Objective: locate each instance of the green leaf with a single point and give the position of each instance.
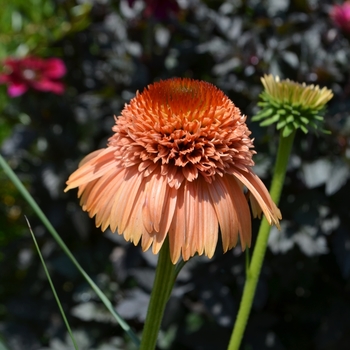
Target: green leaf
(304, 120)
(281, 124)
(296, 112)
(289, 119)
(282, 111)
(275, 104)
(270, 121)
(287, 130)
(318, 117)
(304, 129)
(263, 114)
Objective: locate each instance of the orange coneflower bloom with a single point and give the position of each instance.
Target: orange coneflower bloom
(179, 164)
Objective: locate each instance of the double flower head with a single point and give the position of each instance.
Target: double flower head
(179, 164)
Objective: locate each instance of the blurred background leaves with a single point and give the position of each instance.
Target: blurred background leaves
(112, 49)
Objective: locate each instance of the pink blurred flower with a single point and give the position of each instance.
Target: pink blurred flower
(341, 16)
(33, 72)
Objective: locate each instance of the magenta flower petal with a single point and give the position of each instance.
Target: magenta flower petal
(48, 85)
(17, 89)
(55, 68)
(33, 72)
(340, 15)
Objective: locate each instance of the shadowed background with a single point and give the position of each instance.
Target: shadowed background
(111, 49)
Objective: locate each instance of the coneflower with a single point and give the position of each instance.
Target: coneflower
(178, 165)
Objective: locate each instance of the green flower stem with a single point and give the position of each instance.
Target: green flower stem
(163, 284)
(284, 150)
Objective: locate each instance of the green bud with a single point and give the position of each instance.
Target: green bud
(292, 105)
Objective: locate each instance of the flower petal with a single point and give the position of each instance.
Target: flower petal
(17, 89)
(103, 208)
(225, 211)
(208, 228)
(154, 202)
(47, 85)
(242, 209)
(124, 202)
(177, 229)
(92, 167)
(191, 216)
(55, 68)
(259, 191)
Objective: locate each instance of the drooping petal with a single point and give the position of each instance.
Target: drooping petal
(191, 209)
(158, 209)
(105, 206)
(225, 212)
(154, 202)
(92, 167)
(177, 229)
(242, 209)
(209, 227)
(92, 200)
(259, 191)
(135, 228)
(124, 199)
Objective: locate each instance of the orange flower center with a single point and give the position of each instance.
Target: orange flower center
(187, 127)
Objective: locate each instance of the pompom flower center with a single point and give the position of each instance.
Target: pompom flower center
(187, 127)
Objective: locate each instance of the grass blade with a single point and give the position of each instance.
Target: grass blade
(30, 200)
(52, 286)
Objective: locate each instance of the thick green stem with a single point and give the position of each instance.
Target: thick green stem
(163, 284)
(284, 150)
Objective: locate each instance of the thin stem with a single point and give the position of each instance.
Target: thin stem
(30, 200)
(163, 284)
(284, 150)
(53, 289)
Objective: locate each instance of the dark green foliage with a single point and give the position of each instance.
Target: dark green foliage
(302, 300)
